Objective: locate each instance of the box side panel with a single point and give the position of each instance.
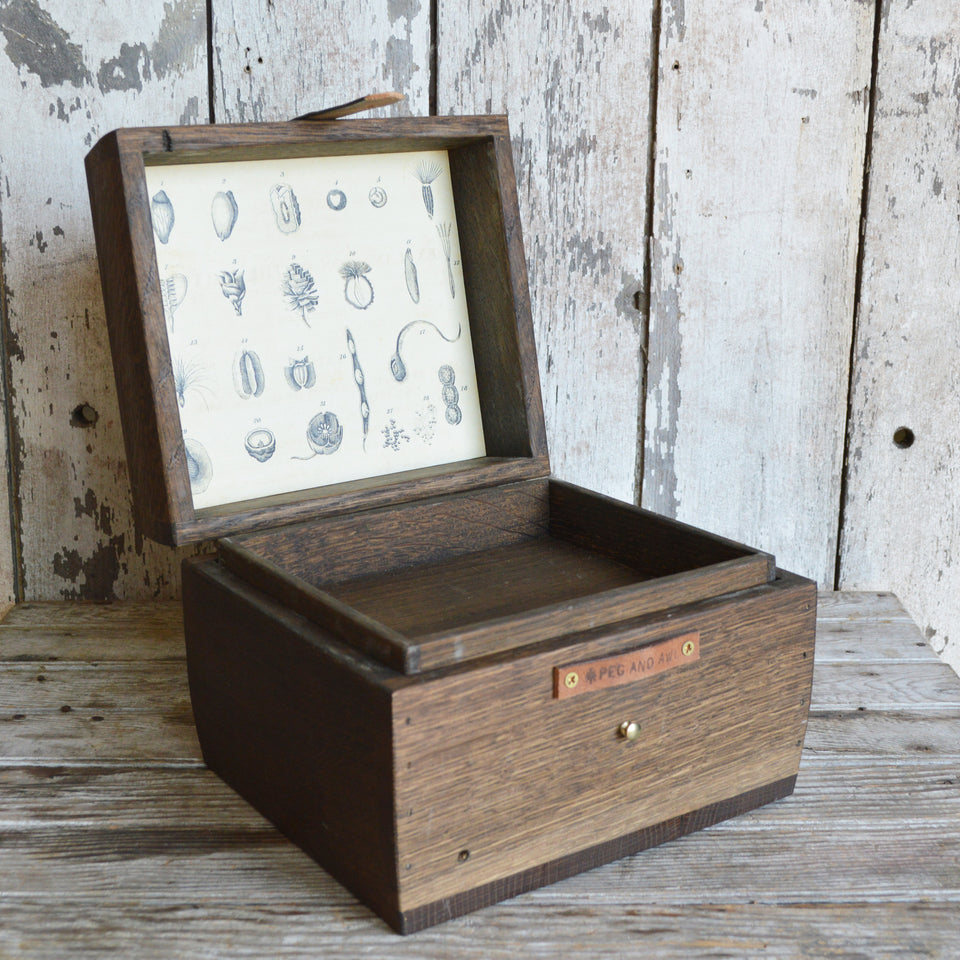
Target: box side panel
(555, 870)
(496, 777)
(495, 277)
(659, 546)
(387, 539)
(215, 143)
(295, 724)
(125, 256)
(542, 624)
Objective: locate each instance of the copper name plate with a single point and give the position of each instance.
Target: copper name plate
(576, 678)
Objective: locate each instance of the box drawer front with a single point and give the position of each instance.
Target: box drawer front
(502, 768)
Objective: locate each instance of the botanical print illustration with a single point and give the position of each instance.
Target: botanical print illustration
(316, 319)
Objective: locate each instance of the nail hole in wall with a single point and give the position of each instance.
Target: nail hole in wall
(903, 437)
(83, 416)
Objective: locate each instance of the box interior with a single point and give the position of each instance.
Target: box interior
(471, 574)
(457, 592)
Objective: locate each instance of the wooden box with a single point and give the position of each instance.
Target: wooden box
(444, 674)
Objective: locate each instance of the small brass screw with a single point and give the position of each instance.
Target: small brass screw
(629, 730)
(687, 648)
(571, 680)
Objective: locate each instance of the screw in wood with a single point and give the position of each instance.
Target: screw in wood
(629, 730)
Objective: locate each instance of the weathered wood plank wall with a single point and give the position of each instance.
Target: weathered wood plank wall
(900, 521)
(66, 78)
(278, 61)
(761, 120)
(576, 83)
(691, 179)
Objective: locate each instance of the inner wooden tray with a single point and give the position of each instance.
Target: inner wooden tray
(437, 582)
(456, 594)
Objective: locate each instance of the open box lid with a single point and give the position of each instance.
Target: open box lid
(314, 317)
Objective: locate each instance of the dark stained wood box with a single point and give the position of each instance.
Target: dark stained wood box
(453, 681)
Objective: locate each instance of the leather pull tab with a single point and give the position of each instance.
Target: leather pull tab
(369, 102)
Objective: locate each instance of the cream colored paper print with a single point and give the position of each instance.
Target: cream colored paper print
(316, 319)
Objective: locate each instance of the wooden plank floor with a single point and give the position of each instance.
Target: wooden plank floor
(116, 842)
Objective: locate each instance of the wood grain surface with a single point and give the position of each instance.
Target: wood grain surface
(388, 539)
(288, 722)
(901, 504)
(121, 843)
(444, 580)
(514, 788)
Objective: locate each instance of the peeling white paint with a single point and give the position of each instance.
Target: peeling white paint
(276, 62)
(576, 88)
(74, 500)
(901, 517)
(760, 191)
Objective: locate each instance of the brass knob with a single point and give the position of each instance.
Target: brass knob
(629, 730)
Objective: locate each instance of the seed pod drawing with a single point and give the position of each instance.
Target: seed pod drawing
(189, 377)
(173, 291)
(324, 435)
(248, 379)
(357, 289)
(410, 274)
(161, 213)
(233, 288)
(394, 435)
(450, 394)
(224, 212)
(199, 465)
(397, 366)
(443, 230)
(361, 387)
(427, 171)
(286, 210)
(299, 289)
(300, 374)
(336, 199)
(261, 444)
(377, 197)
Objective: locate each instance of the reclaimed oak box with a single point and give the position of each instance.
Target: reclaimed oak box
(446, 675)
